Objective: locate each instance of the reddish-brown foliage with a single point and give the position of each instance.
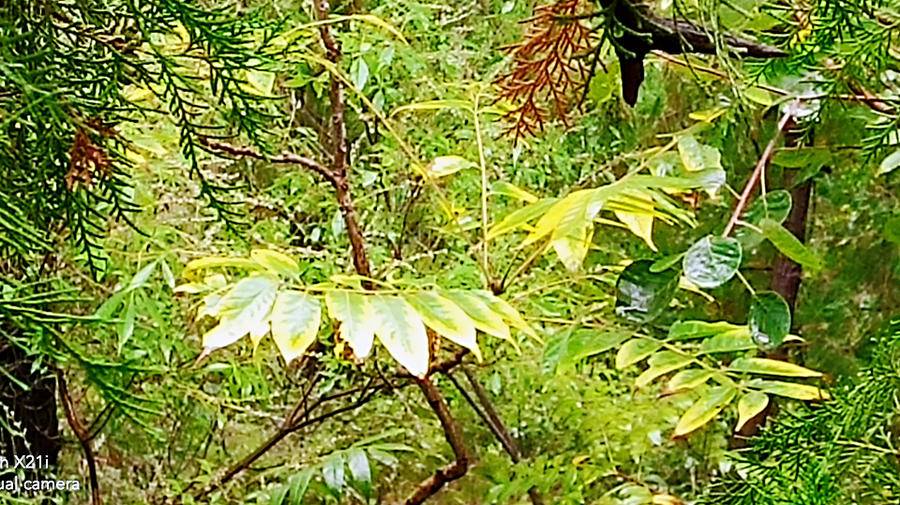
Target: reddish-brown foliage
(549, 68)
(86, 158)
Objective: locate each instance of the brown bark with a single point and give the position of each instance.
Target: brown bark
(454, 436)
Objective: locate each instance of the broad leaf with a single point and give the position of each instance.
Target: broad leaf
(712, 261)
(789, 245)
(769, 319)
(244, 307)
(446, 318)
(642, 296)
(684, 330)
(481, 314)
(689, 379)
(521, 217)
(295, 318)
(662, 363)
(443, 166)
(765, 366)
(790, 390)
(506, 311)
(333, 473)
(357, 320)
(705, 409)
(402, 332)
(275, 262)
(774, 205)
(749, 406)
(696, 156)
(635, 350)
(509, 189)
(729, 341)
(889, 163)
(570, 347)
(360, 470)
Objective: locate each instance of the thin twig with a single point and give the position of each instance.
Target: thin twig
(82, 434)
(761, 165)
(287, 158)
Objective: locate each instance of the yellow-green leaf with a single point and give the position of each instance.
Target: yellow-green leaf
(296, 317)
(275, 262)
(357, 321)
(402, 332)
(705, 409)
(791, 390)
(506, 311)
(689, 379)
(662, 363)
(443, 166)
(482, 316)
(768, 366)
(446, 318)
(242, 309)
(639, 224)
(510, 189)
(635, 350)
(749, 406)
(519, 218)
(219, 262)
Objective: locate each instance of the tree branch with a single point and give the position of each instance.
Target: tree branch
(81, 433)
(453, 434)
(287, 158)
(761, 165)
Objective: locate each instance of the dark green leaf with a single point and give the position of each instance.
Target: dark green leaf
(712, 261)
(769, 319)
(642, 295)
(789, 245)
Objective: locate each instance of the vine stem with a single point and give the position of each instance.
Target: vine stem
(761, 165)
(81, 433)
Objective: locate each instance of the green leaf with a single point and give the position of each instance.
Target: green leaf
(689, 379)
(765, 366)
(790, 390)
(244, 307)
(712, 261)
(769, 319)
(126, 330)
(141, 277)
(569, 348)
(774, 205)
(357, 321)
(295, 320)
(219, 262)
(360, 470)
(789, 245)
(705, 409)
(729, 341)
(662, 363)
(443, 166)
(299, 484)
(402, 332)
(509, 189)
(506, 311)
(889, 163)
(359, 73)
(696, 156)
(642, 296)
(446, 318)
(333, 473)
(481, 314)
(749, 406)
(685, 330)
(275, 262)
(666, 263)
(521, 217)
(635, 350)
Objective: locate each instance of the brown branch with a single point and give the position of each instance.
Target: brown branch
(761, 165)
(454, 436)
(287, 158)
(294, 425)
(82, 434)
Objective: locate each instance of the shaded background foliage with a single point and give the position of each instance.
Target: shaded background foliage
(108, 191)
